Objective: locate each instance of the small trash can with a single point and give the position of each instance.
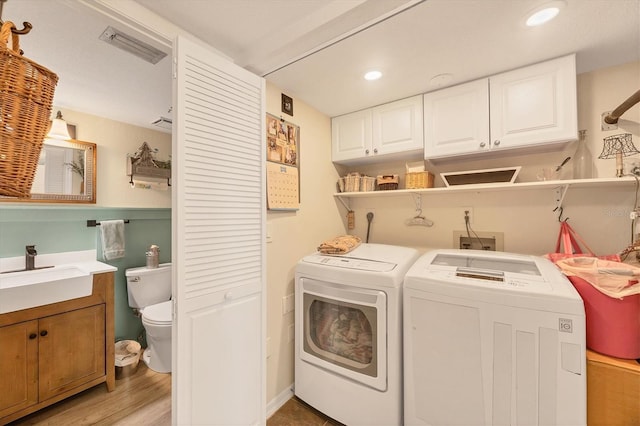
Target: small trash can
(127, 357)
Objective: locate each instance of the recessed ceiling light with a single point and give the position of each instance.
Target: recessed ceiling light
(544, 13)
(372, 75)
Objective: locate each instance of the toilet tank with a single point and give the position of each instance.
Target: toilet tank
(148, 286)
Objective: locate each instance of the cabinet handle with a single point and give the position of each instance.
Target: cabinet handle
(43, 333)
(366, 152)
(375, 150)
(32, 336)
(482, 144)
(496, 142)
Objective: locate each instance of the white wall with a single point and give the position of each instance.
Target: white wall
(604, 90)
(296, 234)
(525, 217)
(114, 141)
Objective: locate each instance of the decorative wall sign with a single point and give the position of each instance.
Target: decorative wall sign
(283, 169)
(287, 105)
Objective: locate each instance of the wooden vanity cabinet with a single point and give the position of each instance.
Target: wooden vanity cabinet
(51, 352)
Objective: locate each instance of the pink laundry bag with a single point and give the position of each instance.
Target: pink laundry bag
(609, 290)
(611, 295)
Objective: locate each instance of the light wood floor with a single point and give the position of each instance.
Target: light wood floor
(145, 399)
(141, 399)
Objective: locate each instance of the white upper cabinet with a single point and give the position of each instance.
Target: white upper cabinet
(457, 119)
(351, 136)
(388, 131)
(535, 105)
(527, 107)
(397, 127)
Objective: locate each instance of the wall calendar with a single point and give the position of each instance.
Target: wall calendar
(283, 168)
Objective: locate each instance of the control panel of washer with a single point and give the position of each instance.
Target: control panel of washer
(351, 263)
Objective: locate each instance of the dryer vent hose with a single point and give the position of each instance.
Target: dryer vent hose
(369, 219)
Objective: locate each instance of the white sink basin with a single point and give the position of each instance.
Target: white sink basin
(28, 289)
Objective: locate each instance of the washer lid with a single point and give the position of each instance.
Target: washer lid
(159, 313)
(350, 263)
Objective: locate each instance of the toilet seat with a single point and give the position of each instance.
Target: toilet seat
(158, 314)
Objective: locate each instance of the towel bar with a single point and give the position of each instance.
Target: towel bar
(94, 223)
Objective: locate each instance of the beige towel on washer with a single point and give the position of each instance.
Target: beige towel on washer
(339, 245)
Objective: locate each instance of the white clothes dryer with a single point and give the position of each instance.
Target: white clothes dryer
(492, 338)
(348, 346)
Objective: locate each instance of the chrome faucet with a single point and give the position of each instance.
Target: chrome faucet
(30, 258)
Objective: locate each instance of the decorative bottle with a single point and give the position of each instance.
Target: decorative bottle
(582, 159)
(152, 256)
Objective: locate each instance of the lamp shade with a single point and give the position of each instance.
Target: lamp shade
(618, 146)
(59, 129)
(615, 144)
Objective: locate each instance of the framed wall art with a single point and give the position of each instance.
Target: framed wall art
(287, 104)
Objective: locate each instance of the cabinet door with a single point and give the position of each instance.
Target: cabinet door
(351, 136)
(534, 105)
(397, 127)
(72, 349)
(456, 120)
(18, 367)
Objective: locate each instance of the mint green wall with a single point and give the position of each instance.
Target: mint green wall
(55, 229)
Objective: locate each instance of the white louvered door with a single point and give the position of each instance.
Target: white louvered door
(218, 222)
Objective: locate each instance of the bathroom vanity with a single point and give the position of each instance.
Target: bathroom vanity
(51, 352)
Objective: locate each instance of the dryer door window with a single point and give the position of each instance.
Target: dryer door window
(343, 334)
(344, 331)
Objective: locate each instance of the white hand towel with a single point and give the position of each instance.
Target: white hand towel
(112, 235)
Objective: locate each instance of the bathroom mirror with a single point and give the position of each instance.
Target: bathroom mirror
(66, 173)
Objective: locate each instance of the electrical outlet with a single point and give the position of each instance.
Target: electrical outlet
(269, 234)
(288, 304)
(292, 332)
(466, 211)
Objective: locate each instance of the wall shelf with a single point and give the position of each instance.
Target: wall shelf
(551, 184)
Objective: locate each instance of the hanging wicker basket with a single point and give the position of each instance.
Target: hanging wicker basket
(26, 95)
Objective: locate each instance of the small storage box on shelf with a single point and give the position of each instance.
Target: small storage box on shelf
(417, 180)
(387, 182)
(367, 184)
(352, 182)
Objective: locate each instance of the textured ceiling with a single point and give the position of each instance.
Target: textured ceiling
(317, 50)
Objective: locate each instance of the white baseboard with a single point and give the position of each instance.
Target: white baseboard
(277, 402)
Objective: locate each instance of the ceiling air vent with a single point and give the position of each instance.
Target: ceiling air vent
(162, 122)
(132, 45)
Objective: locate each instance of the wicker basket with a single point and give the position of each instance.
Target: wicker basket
(26, 94)
(352, 182)
(387, 182)
(367, 183)
(416, 180)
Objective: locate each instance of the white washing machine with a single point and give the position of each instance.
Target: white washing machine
(348, 345)
(492, 338)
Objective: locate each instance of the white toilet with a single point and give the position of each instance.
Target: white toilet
(149, 291)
